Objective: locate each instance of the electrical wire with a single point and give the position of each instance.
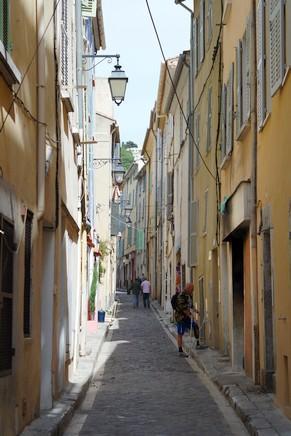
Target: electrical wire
(175, 92)
(29, 66)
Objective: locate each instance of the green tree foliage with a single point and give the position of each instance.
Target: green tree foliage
(129, 144)
(93, 289)
(126, 157)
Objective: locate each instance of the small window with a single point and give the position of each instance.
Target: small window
(27, 276)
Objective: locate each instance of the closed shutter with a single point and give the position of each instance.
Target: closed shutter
(195, 46)
(194, 233)
(229, 113)
(222, 122)
(238, 53)
(202, 31)
(209, 21)
(65, 44)
(197, 140)
(170, 199)
(4, 22)
(261, 96)
(246, 74)
(6, 295)
(89, 8)
(27, 276)
(276, 44)
(288, 32)
(205, 211)
(209, 120)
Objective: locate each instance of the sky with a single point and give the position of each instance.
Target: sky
(130, 33)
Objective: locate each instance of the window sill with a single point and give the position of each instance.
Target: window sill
(67, 100)
(8, 69)
(264, 122)
(225, 160)
(243, 130)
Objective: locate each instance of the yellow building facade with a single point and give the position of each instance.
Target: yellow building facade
(273, 197)
(204, 227)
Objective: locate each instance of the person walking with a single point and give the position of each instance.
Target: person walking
(136, 290)
(146, 290)
(184, 314)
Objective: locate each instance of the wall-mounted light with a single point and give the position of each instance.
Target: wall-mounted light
(117, 81)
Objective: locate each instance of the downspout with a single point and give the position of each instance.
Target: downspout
(41, 127)
(253, 223)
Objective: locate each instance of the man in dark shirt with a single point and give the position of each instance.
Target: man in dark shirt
(183, 315)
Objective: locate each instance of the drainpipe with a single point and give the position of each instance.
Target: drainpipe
(41, 127)
(253, 223)
(190, 122)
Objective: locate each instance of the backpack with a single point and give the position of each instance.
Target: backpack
(174, 301)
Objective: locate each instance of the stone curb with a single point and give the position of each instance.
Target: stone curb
(54, 421)
(258, 422)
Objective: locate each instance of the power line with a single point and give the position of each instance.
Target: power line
(15, 96)
(175, 91)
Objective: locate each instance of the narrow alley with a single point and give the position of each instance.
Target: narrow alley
(142, 387)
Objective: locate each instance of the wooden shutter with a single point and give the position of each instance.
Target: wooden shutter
(89, 8)
(4, 22)
(194, 216)
(205, 211)
(238, 55)
(6, 295)
(170, 199)
(197, 140)
(65, 44)
(195, 46)
(202, 31)
(229, 113)
(209, 21)
(246, 74)
(27, 275)
(209, 120)
(261, 96)
(276, 44)
(222, 122)
(288, 32)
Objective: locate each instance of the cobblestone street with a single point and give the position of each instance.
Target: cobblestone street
(143, 387)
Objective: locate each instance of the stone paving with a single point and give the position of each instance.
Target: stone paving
(142, 387)
(253, 405)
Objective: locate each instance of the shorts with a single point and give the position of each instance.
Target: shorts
(185, 325)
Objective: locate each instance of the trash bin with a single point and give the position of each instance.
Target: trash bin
(101, 315)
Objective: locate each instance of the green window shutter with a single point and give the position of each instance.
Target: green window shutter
(4, 22)
(89, 8)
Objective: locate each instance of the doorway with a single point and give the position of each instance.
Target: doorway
(238, 302)
(268, 312)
